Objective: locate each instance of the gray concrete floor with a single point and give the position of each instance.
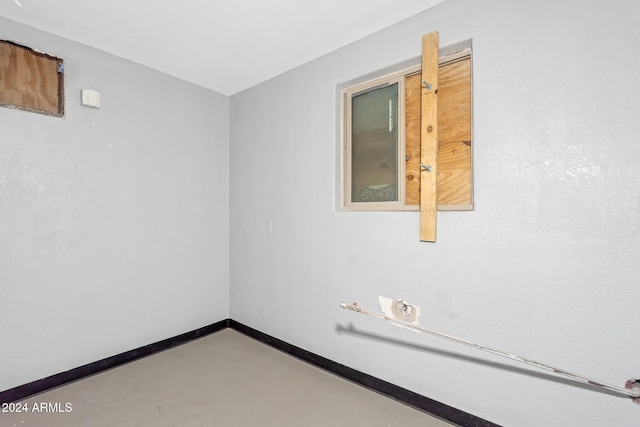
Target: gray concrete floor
(224, 379)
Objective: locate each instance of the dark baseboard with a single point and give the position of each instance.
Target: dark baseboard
(57, 380)
(393, 391)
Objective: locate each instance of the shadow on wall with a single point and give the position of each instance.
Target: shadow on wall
(350, 329)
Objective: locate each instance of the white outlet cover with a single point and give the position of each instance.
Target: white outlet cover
(90, 98)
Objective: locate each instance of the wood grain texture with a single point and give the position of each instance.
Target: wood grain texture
(454, 101)
(455, 183)
(429, 138)
(29, 80)
(455, 177)
(413, 114)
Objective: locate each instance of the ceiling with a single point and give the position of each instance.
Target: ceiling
(223, 45)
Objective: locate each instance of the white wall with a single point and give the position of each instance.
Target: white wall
(547, 264)
(114, 229)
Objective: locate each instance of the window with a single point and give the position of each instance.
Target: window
(382, 137)
(374, 128)
(30, 80)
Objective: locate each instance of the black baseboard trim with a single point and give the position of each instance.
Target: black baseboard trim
(385, 388)
(433, 407)
(57, 380)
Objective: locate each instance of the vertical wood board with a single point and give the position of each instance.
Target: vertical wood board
(429, 138)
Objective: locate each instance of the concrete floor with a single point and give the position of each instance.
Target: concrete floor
(224, 379)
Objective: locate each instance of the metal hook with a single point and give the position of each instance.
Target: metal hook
(425, 167)
(426, 85)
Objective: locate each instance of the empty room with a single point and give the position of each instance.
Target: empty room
(319, 213)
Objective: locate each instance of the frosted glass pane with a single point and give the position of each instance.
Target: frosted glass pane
(374, 145)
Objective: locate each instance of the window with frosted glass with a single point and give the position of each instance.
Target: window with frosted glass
(374, 145)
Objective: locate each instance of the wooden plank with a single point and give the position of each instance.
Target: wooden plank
(29, 80)
(429, 137)
(454, 176)
(455, 183)
(454, 101)
(413, 113)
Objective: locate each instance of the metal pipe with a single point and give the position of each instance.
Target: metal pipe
(634, 393)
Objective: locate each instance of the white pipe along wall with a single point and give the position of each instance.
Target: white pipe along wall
(545, 266)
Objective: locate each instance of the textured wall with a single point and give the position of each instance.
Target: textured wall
(113, 222)
(547, 264)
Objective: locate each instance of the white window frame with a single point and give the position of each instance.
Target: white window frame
(347, 94)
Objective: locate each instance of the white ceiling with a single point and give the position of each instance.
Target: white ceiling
(224, 45)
